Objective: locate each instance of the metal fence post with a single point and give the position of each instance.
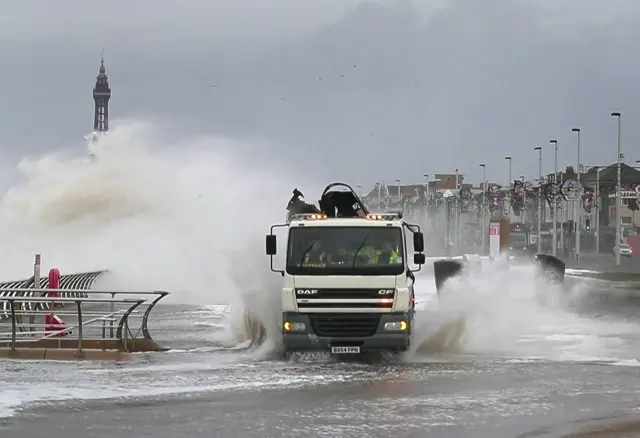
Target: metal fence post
(13, 325)
(112, 308)
(79, 353)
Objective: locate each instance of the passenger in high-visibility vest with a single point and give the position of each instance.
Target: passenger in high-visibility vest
(387, 255)
(349, 251)
(370, 252)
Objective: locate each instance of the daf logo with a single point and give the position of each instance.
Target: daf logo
(307, 291)
(385, 292)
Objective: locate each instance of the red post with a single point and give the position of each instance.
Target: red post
(54, 283)
(53, 323)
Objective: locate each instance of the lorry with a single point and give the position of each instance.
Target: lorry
(520, 239)
(347, 281)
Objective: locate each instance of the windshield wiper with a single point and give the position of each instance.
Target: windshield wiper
(353, 264)
(304, 254)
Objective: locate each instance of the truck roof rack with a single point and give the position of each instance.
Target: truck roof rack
(338, 200)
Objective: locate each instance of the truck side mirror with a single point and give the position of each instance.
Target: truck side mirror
(271, 245)
(418, 242)
(419, 258)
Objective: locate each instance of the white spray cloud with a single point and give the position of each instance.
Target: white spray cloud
(177, 217)
(510, 311)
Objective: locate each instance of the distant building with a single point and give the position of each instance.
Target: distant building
(446, 181)
(101, 96)
(441, 183)
(607, 180)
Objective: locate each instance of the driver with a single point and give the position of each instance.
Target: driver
(316, 254)
(363, 252)
(387, 255)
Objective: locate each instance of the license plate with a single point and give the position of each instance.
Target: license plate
(345, 350)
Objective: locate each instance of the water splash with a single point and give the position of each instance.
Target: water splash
(184, 216)
(509, 311)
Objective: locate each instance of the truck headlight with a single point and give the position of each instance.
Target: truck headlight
(294, 326)
(397, 326)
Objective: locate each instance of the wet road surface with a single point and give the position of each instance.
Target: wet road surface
(560, 371)
(448, 399)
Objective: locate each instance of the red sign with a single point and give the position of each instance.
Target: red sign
(634, 243)
(494, 229)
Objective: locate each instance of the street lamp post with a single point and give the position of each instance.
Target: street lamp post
(426, 181)
(425, 209)
(510, 182)
(510, 177)
(483, 230)
(578, 209)
(458, 211)
(618, 115)
(447, 217)
(563, 211)
(555, 199)
(539, 149)
(598, 210)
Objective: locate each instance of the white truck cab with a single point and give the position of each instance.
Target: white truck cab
(347, 284)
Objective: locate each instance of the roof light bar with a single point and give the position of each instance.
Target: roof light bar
(309, 216)
(383, 216)
(371, 216)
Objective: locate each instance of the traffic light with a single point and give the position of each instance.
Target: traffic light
(588, 224)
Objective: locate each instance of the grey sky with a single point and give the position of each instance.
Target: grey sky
(437, 85)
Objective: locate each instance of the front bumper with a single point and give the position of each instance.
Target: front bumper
(380, 340)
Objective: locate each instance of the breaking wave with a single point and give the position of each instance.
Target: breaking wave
(187, 216)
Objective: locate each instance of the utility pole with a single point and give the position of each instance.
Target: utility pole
(539, 149)
(579, 200)
(483, 228)
(555, 199)
(618, 115)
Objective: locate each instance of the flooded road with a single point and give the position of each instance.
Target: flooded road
(501, 365)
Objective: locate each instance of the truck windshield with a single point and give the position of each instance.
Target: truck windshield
(345, 251)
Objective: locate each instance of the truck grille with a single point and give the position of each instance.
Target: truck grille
(345, 293)
(344, 324)
(339, 298)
